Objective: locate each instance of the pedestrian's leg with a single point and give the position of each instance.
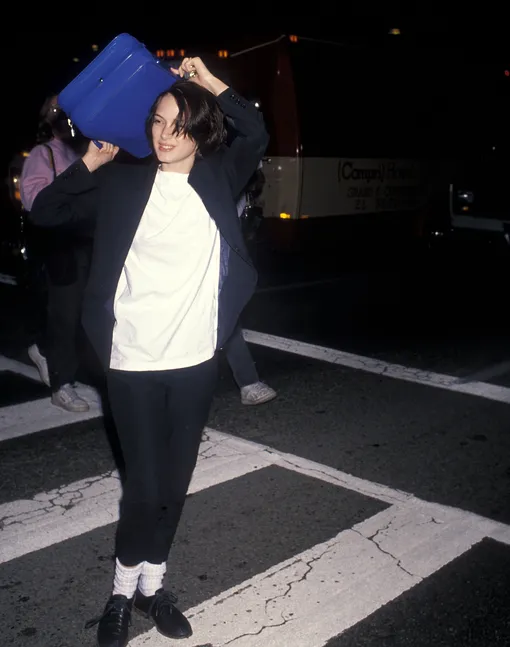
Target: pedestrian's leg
(64, 311)
(63, 319)
(37, 296)
(253, 391)
(240, 359)
(138, 405)
(190, 394)
(159, 418)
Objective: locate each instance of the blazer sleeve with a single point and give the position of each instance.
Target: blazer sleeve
(69, 200)
(247, 149)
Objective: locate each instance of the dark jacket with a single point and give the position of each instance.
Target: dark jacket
(115, 197)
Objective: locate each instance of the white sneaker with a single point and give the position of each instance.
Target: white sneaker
(40, 361)
(257, 393)
(67, 398)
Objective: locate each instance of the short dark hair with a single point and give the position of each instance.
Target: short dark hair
(199, 117)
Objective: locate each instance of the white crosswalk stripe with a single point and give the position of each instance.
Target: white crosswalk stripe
(37, 415)
(344, 579)
(369, 565)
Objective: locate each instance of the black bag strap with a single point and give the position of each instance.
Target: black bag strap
(52, 159)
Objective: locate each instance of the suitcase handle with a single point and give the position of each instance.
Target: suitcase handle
(98, 144)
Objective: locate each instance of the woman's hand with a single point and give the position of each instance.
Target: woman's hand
(194, 70)
(96, 157)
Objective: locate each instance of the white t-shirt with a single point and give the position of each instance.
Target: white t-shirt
(166, 302)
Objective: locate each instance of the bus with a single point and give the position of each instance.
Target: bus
(352, 154)
(350, 150)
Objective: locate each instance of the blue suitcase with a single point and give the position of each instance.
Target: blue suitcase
(110, 99)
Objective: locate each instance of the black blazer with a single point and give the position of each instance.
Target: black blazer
(115, 197)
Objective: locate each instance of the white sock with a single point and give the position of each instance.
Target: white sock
(125, 580)
(151, 578)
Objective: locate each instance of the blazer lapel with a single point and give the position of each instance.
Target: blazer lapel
(136, 193)
(203, 180)
(135, 198)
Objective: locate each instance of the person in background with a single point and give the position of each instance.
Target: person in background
(245, 373)
(170, 275)
(253, 390)
(63, 258)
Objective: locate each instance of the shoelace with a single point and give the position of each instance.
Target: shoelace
(163, 601)
(114, 611)
(68, 393)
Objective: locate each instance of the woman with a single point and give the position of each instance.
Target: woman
(59, 263)
(169, 278)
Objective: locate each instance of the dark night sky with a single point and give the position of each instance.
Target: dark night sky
(41, 61)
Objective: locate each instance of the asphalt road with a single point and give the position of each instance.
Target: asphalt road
(367, 504)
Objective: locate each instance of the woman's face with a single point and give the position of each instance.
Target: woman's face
(175, 152)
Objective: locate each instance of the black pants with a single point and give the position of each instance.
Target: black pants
(160, 417)
(64, 305)
(240, 359)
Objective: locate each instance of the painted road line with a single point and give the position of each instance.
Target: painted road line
(8, 364)
(51, 517)
(7, 279)
(38, 415)
(319, 593)
(379, 367)
(31, 417)
(487, 373)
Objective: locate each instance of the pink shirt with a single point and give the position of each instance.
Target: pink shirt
(37, 170)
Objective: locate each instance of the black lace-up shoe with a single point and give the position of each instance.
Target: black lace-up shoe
(113, 625)
(166, 616)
